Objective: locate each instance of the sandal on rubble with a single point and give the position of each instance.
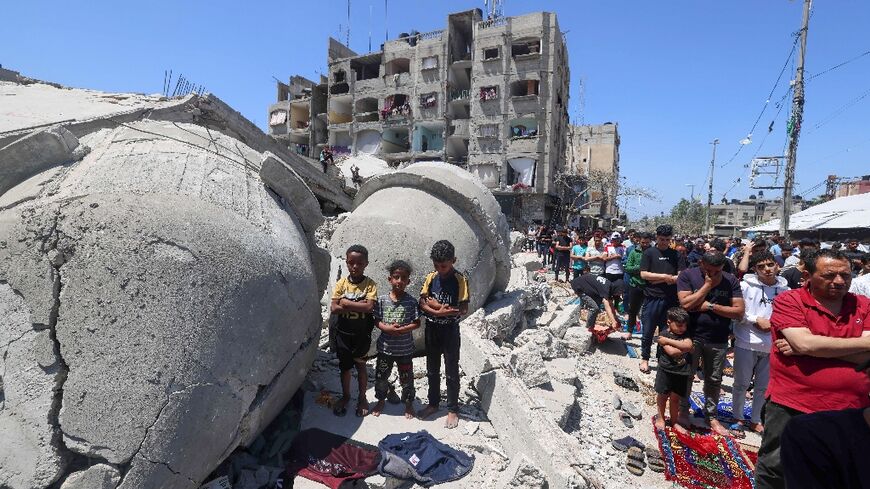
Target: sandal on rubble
(626, 419)
(623, 444)
(634, 461)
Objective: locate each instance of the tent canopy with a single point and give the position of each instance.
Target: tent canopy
(852, 212)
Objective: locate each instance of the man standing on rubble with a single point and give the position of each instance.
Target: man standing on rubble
(659, 268)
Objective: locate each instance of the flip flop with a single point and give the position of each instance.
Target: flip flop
(656, 465)
(652, 453)
(632, 410)
(626, 419)
(627, 382)
(623, 444)
(636, 454)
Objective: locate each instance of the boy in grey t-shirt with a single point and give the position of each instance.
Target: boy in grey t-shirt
(397, 314)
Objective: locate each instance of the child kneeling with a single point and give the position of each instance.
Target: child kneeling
(397, 314)
(672, 377)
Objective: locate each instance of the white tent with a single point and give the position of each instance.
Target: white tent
(845, 213)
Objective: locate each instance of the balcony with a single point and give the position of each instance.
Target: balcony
(459, 128)
(460, 95)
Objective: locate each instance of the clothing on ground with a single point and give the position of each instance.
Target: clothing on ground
(419, 457)
(707, 325)
(403, 311)
(827, 449)
(809, 384)
(330, 459)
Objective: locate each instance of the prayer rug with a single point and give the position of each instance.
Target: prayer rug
(704, 461)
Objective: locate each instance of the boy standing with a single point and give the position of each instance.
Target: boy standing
(562, 246)
(397, 315)
(672, 377)
(443, 300)
(577, 252)
(752, 349)
(353, 299)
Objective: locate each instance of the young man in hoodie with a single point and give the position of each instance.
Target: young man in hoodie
(752, 349)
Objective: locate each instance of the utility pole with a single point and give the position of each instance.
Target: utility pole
(797, 110)
(715, 142)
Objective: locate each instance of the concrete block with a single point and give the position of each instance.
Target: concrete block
(566, 318)
(559, 399)
(528, 262)
(549, 346)
(100, 476)
(502, 316)
(286, 182)
(525, 429)
(562, 370)
(578, 339)
(528, 364)
(522, 474)
(35, 153)
(518, 241)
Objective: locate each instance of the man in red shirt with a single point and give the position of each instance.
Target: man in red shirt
(819, 332)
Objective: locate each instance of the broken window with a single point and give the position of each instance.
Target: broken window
(428, 100)
(491, 53)
(531, 46)
(524, 128)
(488, 130)
(397, 66)
(488, 93)
(396, 106)
(522, 88)
(430, 63)
(278, 117)
(339, 77)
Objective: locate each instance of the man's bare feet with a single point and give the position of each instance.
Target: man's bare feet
(717, 427)
(378, 409)
(409, 411)
(659, 423)
(427, 411)
(755, 427)
(340, 406)
(362, 407)
(452, 420)
(644, 366)
(678, 427)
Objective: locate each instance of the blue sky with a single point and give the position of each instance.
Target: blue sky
(673, 74)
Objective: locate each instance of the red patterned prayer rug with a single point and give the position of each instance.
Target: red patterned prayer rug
(704, 461)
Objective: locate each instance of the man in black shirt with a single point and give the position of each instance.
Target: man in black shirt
(713, 298)
(854, 255)
(563, 253)
(659, 267)
(593, 292)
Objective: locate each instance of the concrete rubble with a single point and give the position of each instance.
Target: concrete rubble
(147, 254)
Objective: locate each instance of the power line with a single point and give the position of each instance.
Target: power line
(836, 113)
(767, 100)
(840, 65)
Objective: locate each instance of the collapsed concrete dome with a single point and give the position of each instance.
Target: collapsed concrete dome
(158, 304)
(400, 215)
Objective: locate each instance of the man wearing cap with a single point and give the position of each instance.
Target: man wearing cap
(819, 332)
(613, 254)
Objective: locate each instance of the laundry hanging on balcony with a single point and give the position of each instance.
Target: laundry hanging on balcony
(524, 170)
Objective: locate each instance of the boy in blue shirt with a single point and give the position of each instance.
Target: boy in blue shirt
(577, 253)
(444, 300)
(397, 315)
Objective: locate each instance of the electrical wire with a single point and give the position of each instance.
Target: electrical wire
(767, 100)
(840, 65)
(839, 111)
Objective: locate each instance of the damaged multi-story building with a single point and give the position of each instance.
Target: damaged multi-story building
(489, 95)
(592, 170)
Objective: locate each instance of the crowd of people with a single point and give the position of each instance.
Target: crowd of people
(792, 317)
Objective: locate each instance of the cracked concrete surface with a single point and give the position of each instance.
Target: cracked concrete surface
(137, 282)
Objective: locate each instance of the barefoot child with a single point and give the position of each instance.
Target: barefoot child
(397, 315)
(672, 377)
(352, 302)
(443, 300)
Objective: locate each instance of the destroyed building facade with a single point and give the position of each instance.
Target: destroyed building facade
(488, 95)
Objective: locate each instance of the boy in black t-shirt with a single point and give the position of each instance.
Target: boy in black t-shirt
(444, 300)
(562, 246)
(672, 377)
(353, 299)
